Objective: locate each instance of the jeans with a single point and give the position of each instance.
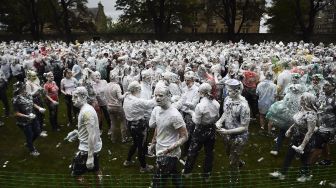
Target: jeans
(190, 128)
(202, 136)
(31, 131)
(117, 112)
(70, 108)
(166, 167)
(139, 134)
(4, 99)
(53, 114)
(106, 115)
(281, 136)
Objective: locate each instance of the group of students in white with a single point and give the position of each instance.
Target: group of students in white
(182, 92)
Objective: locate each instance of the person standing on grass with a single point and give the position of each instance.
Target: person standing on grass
(170, 133)
(266, 92)
(233, 125)
(51, 90)
(205, 116)
(25, 117)
(90, 143)
(68, 85)
(3, 93)
(135, 109)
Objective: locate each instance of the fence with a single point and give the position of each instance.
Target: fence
(322, 176)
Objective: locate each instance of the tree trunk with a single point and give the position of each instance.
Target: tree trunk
(67, 27)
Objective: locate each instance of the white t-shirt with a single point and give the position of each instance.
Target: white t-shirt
(166, 123)
(87, 119)
(69, 85)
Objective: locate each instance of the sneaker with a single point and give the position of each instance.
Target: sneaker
(124, 140)
(35, 153)
(186, 175)
(278, 175)
(325, 162)
(304, 178)
(332, 184)
(148, 168)
(273, 152)
(44, 134)
(2, 123)
(127, 163)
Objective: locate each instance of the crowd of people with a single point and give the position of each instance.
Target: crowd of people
(182, 92)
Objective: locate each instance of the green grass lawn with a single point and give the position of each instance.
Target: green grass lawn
(51, 168)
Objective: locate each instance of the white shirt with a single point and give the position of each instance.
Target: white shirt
(135, 107)
(69, 85)
(99, 89)
(206, 112)
(113, 94)
(283, 80)
(190, 96)
(166, 123)
(88, 120)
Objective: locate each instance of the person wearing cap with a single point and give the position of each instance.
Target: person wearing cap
(205, 116)
(169, 135)
(23, 106)
(135, 109)
(68, 85)
(51, 93)
(114, 97)
(233, 125)
(188, 101)
(327, 128)
(90, 143)
(266, 92)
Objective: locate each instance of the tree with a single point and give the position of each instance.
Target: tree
(282, 17)
(232, 10)
(158, 16)
(295, 16)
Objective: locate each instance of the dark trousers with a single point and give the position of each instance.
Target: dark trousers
(53, 114)
(4, 99)
(166, 167)
(204, 135)
(292, 153)
(281, 136)
(71, 110)
(139, 133)
(252, 99)
(31, 131)
(190, 128)
(106, 115)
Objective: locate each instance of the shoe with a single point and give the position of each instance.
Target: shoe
(186, 175)
(304, 178)
(43, 134)
(150, 155)
(278, 175)
(273, 152)
(325, 162)
(35, 153)
(298, 149)
(127, 163)
(2, 123)
(332, 184)
(148, 168)
(124, 140)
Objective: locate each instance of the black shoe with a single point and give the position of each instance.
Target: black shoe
(325, 162)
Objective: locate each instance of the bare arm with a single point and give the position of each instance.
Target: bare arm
(183, 137)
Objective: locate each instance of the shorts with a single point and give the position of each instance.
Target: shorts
(78, 166)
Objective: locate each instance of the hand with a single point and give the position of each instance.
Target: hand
(151, 149)
(288, 132)
(222, 131)
(55, 103)
(31, 116)
(89, 162)
(298, 149)
(188, 104)
(42, 110)
(219, 124)
(72, 136)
